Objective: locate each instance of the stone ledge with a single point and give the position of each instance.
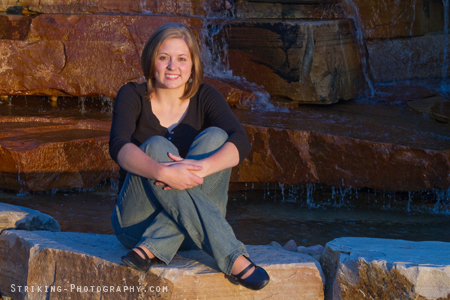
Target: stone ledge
(369, 268)
(18, 217)
(42, 258)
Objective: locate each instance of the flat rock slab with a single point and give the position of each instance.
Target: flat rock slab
(355, 144)
(44, 153)
(425, 105)
(367, 268)
(18, 217)
(441, 111)
(88, 266)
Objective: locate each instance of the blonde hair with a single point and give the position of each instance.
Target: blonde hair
(148, 57)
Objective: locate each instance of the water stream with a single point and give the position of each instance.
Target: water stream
(445, 85)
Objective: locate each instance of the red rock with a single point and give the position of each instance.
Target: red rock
(178, 7)
(391, 19)
(386, 149)
(234, 91)
(39, 153)
(309, 62)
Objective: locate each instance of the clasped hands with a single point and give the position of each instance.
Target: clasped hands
(181, 174)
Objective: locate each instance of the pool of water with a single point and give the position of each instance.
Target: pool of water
(261, 216)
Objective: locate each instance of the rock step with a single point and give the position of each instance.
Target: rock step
(67, 261)
(354, 144)
(368, 268)
(43, 153)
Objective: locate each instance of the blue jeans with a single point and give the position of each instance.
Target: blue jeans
(166, 221)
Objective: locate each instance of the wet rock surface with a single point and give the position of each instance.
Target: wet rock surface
(292, 59)
(359, 268)
(407, 58)
(17, 217)
(44, 153)
(358, 144)
(56, 259)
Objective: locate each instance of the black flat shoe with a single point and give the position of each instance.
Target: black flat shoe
(132, 259)
(256, 281)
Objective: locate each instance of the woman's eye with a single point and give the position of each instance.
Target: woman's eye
(182, 59)
(162, 58)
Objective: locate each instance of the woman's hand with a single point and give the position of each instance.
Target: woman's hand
(179, 175)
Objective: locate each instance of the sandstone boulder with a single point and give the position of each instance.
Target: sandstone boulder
(88, 266)
(367, 268)
(408, 58)
(179, 7)
(354, 145)
(293, 10)
(78, 55)
(18, 217)
(308, 61)
(40, 153)
(386, 19)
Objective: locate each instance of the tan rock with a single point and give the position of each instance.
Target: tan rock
(387, 19)
(307, 61)
(359, 268)
(38, 153)
(76, 260)
(407, 58)
(18, 217)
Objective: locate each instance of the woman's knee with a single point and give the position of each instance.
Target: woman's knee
(213, 136)
(157, 147)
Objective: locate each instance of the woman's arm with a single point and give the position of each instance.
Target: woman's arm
(177, 175)
(226, 157)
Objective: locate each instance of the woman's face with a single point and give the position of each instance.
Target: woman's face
(173, 64)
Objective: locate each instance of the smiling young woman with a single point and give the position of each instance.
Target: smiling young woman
(176, 141)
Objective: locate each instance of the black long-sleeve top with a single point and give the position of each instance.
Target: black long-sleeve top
(133, 121)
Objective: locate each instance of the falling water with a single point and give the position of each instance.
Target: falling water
(445, 85)
(353, 13)
(215, 59)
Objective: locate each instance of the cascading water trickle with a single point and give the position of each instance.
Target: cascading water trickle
(445, 84)
(353, 13)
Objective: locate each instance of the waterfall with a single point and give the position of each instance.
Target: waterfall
(445, 85)
(353, 13)
(215, 54)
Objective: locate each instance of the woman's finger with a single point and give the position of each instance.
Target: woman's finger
(174, 157)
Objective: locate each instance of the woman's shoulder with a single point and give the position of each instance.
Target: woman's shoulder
(207, 92)
(133, 87)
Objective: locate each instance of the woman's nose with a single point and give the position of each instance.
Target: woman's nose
(171, 64)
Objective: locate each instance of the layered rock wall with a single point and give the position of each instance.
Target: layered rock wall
(307, 61)
(77, 55)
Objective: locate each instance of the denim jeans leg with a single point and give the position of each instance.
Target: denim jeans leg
(138, 215)
(201, 210)
(173, 215)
